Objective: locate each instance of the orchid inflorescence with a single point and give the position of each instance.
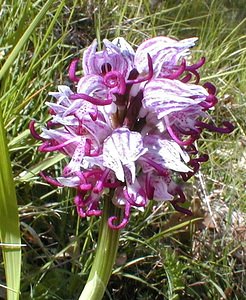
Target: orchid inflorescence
(130, 128)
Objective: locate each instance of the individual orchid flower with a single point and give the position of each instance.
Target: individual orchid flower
(165, 54)
(120, 151)
(129, 125)
(115, 56)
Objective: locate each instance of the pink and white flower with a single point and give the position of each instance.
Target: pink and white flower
(130, 125)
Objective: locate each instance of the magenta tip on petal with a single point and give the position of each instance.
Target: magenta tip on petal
(72, 70)
(94, 212)
(90, 99)
(181, 209)
(117, 227)
(34, 132)
(50, 180)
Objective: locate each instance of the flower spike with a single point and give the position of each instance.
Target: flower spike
(128, 126)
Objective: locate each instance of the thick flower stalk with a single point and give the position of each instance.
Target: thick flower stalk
(129, 126)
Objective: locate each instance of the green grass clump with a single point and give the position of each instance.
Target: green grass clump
(162, 255)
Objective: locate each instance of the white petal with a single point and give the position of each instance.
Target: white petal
(166, 153)
(122, 148)
(161, 50)
(165, 96)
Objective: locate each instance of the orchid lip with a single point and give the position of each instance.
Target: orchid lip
(187, 142)
(186, 79)
(211, 88)
(228, 127)
(210, 101)
(181, 209)
(34, 132)
(195, 164)
(46, 148)
(181, 199)
(198, 65)
(194, 72)
(72, 70)
(80, 212)
(124, 221)
(100, 184)
(90, 99)
(94, 212)
(180, 71)
(50, 180)
(85, 187)
(122, 225)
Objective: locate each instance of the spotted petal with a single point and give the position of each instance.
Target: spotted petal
(75, 163)
(167, 154)
(121, 150)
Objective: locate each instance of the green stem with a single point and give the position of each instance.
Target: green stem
(105, 255)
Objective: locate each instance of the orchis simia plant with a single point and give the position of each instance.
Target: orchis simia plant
(129, 128)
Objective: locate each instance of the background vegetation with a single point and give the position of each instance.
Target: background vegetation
(162, 254)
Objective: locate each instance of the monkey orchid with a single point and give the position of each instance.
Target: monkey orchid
(129, 129)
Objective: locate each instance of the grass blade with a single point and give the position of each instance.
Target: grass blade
(24, 38)
(9, 221)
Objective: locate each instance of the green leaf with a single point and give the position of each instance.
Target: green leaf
(9, 221)
(172, 229)
(29, 174)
